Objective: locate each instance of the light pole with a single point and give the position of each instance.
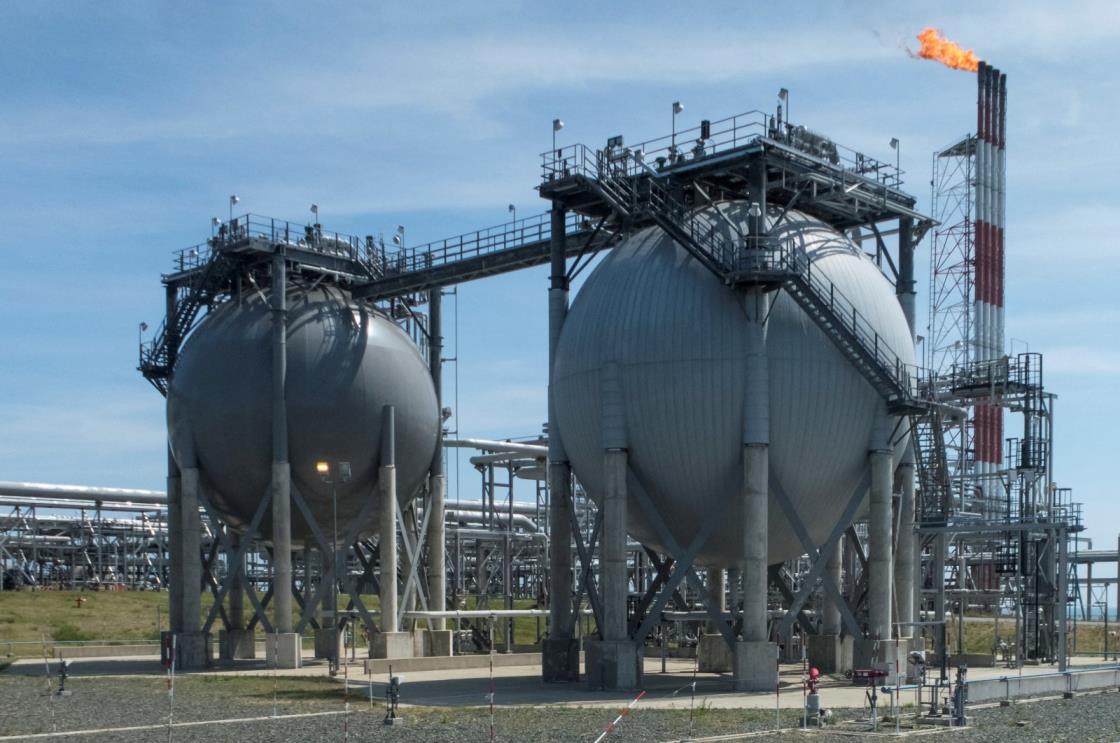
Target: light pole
(677, 108)
(557, 125)
(340, 475)
(140, 334)
(315, 213)
(233, 201)
(897, 155)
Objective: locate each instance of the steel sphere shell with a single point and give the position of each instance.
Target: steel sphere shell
(345, 363)
(676, 335)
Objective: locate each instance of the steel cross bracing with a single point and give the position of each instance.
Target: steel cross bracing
(639, 195)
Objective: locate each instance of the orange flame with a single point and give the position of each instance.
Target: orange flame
(949, 53)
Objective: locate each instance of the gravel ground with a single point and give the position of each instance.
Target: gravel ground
(115, 702)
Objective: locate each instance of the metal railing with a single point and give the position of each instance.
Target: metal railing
(508, 236)
(365, 251)
(723, 136)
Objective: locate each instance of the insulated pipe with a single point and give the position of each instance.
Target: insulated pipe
(387, 551)
(560, 471)
(479, 517)
(533, 450)
(281, 470)
(80, 493)
(437, 572)
(82, 505)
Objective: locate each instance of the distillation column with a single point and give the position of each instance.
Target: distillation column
(560, 650)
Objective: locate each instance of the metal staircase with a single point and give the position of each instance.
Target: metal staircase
(754, 260)
(206, 281)
(932, 466)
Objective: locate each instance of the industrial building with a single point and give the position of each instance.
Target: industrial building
(747, 450)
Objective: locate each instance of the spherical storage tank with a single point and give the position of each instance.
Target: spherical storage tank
(345, 363)
(676, 334)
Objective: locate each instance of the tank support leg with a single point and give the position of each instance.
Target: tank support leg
(880, 650)
(560, 650)
(437, 571)
(286, 645)
(390, 642)
(614, 662)
(754, 666)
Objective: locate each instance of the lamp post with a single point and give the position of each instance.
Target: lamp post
(340, 473)
(557, 125)
(897, 155)
(234, 200)
(677, 108)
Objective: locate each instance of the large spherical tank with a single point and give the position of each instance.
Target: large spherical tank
(677, 336)
(345, 363)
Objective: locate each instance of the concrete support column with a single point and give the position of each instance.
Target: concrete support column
(614, 545)
(281, 470)
(437, 571)
(235, 596)
(1063, 594)
(904, 569)
(193, 646)
(717, 585)
(387, 479)
(755, 658)
(828, 651)
(390, 642)
(880, 577)
(285, 649)
(191, 551)
(560, 651)
(833, 573)
(174, 545)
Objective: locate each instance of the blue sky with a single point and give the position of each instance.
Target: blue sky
(125, 126)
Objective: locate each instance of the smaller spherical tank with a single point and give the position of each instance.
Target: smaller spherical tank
(345, 363)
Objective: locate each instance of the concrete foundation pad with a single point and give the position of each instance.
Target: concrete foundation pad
(284, 650)
(391, 645)
(237, 644)
(830, 653)
(755, 666)
(713, 654)
(439, 643)
(192, 650)
(560, 660)
(613, 665)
